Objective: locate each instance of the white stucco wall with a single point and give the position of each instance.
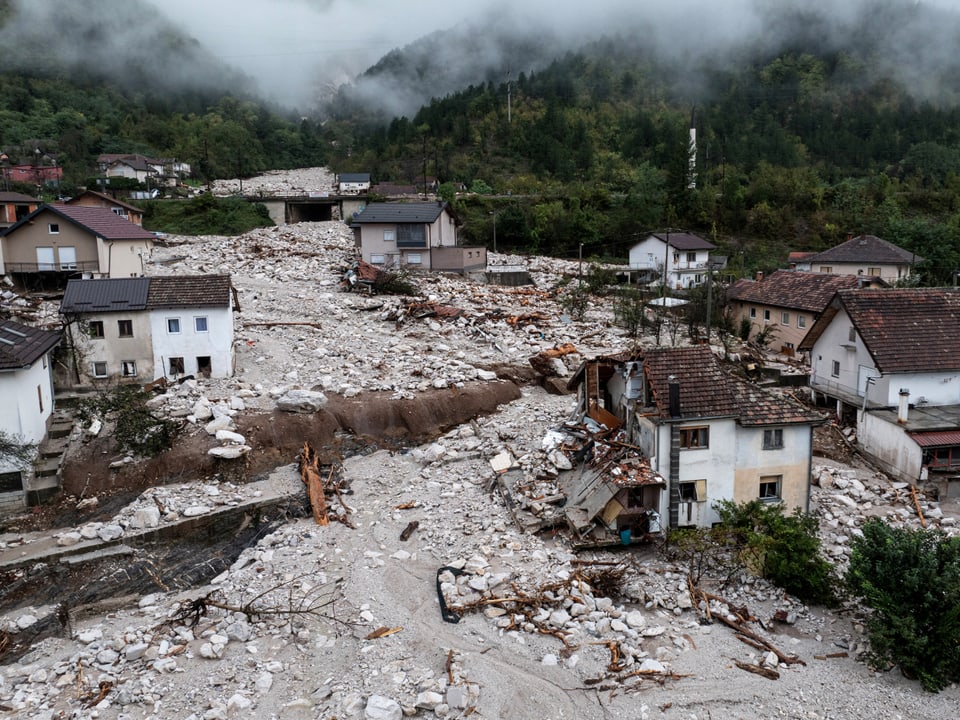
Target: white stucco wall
(123, 258)
(792, 462)
(855, 362)
(20, 409)
(890, 445)
(651, 254)
(216, 343)
(889, 273)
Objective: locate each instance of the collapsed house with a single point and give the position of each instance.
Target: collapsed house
(662, 435)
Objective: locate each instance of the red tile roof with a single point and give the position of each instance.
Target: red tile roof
(944, 438)
(100, 221)
(170, 291)
(705, 390)
(904, 329)
(762, 407)
(792, 290)
(867, 248)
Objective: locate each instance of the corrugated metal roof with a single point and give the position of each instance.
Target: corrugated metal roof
(418, 212)
(945, 438)
(354, 177)
(105, 295)
(21, 345)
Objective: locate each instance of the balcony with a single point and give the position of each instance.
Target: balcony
(85, 266)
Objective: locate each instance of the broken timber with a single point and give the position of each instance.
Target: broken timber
(310, 474)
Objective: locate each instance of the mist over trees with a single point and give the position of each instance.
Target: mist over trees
(814, 131)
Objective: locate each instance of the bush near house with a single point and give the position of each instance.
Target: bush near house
(911, 581)
(136, 429)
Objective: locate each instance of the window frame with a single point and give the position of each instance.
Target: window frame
(784, 318)
(94, 366)
(412, 261)
(693, 490)
(766, 315)
(173, 363)
(95, 330)
(174, 322)
(390, 236)
(773, 439)
(128, 368)
(196, 324)
(125, 328)
(701, 433)
(835, 369)
(53, 228)
(753, 313)
(777, 482)
(802, 322)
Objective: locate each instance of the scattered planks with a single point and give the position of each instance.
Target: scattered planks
(766, 672)
(916, 504)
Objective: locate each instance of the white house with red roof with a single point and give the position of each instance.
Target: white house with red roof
(74, 240)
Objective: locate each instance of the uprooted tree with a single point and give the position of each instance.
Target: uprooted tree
(15, 450)
(911, 581)
(137, 429)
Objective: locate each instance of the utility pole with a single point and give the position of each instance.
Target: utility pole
(709, 299)
(509, 107)
(580, 270)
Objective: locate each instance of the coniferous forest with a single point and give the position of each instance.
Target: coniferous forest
(798, 143)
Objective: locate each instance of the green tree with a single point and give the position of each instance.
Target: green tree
(911, 581)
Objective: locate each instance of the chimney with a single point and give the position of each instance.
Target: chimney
(759, 275)
(903, 411)
(674, 386)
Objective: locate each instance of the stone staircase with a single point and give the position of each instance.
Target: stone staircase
(46, 474)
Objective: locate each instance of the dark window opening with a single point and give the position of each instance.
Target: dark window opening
(125, 328)
(411, 236)
(11, 481)
(204, 366)
(176, 366)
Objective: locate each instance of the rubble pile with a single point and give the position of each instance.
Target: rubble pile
(301, 181)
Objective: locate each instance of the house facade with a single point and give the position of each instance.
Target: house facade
(92, 198)
(26, 386)
(353, 183)
(865, 256)
(890, 359)
(419, 235)
(681, 260)
(72, 240)
(712, 437)
(784, 304)
(140, 329)
(15, 206)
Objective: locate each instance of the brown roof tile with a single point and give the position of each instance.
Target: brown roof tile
(762, 407)
(793, 290)
(97, 220)
(907, 329)
(170, 291)
(705, 390)
(867, 248)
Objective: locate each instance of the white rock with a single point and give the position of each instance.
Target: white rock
(229, 452)
(223, 422)
(110, 532)
(382, 708)
(69, 538)
(227, 436)
(25, 621)
(302, 401)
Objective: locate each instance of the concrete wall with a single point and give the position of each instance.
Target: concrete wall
(216, 343)
(459, 259)
(890, 446)
(112, 348)
(854, 361)
(124, 258)
(373, 246)
(792, 462)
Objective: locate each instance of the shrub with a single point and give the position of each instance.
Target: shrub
(782, 548)
(137, 429)
(911, 580)
(574, 301)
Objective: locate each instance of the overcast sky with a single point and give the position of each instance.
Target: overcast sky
(284, 42)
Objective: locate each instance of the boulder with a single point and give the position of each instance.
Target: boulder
(302, 401)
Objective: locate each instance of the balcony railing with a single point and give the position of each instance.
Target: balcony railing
(86, 265)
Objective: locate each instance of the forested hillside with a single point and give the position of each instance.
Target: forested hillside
(817, 131)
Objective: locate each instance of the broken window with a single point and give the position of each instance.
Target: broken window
(125, 328)
(176, 366)
(773, 439)
(204, 366)
(770, 487)
(694, 438)
(944, 457)
(128, 368)
(693, 491)
(95, 328)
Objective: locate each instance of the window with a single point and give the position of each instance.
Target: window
(773, 439)
(693, 491)
(852, 334)
(694, 438)
(770, 488)
(119, 211)
(801, 321)
(45, 259)
(128, 368)
(411, 236)
(389, 236)
(753, 313)
(826, 269)
(173, 326)
(377, 259)
(691, 257)
(100, 369)
(873, 272)
(785, 318)
(68, 258)
(95, 329)
(943, 457)
(414, 259)
(176, 366)
(11, 481)
(125, 328)
(835, 371)
(766, 316)
(200, 324)
(53, 228)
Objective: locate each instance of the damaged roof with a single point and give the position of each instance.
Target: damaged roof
(791, 289)
(762, 407)
(22, 345)
(705, 390)
(414, 212)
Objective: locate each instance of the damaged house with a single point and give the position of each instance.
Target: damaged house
(700, 434)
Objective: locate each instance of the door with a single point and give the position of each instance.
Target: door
(45, 259)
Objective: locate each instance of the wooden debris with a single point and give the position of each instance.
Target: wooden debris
(831, 656)
(278, 323)
(768, 673)
(409, 529)
(310, 474)
(916, 504)
(406, 506)
(383, 632)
